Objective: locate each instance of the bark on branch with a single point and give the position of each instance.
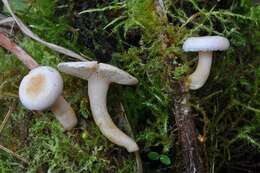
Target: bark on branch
(192, 160)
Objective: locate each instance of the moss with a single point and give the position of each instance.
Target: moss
(142, 14)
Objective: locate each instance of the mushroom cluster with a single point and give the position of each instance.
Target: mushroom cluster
(41, 89)
(205, 46)
(99, 77)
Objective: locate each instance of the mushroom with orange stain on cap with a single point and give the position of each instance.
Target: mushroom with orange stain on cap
(41, 89)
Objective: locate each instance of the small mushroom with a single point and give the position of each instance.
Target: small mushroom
(205, 46)
(41, 89)
(99, 77)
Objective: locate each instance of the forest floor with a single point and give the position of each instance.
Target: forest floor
(133, 36)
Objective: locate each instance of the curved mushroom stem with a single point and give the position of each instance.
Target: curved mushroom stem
(97, 90)
(64, 113)
(199, 77)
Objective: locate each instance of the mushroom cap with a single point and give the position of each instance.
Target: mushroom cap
(40, 88)
(82, 70)
(116, 75)
(205, 44)
(108, 72)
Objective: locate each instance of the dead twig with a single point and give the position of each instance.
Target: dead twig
(27, 60)
(14, 154)
(6, 21)
(7, 116)
(30, 34)
(7, 24)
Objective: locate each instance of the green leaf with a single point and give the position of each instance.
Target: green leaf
(153, 155)
(165, 159)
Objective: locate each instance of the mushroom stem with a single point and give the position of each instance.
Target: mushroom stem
(64, 113)
(97, 90)
(199, 77)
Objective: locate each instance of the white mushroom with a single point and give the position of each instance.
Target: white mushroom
(99, 77)
(204, 45)
(41, 89)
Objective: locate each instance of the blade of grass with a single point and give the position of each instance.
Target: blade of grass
(7, 116)
(130, 130)
(14, 154)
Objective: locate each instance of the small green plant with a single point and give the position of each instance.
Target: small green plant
(164, 159)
